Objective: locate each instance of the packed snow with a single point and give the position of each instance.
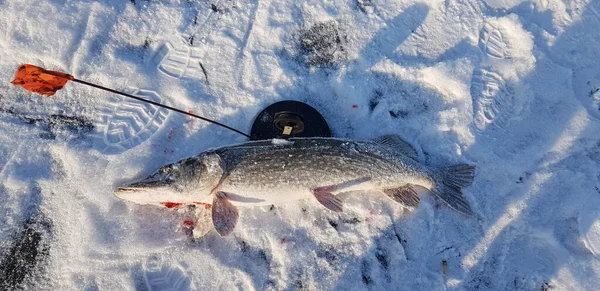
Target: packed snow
(511, 86)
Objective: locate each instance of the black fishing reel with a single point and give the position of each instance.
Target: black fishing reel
(287, 119)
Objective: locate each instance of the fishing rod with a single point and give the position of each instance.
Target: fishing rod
(47, 83)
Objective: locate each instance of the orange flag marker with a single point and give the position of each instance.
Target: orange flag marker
(39, 80)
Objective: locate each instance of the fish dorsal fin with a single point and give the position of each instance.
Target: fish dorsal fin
(398, 144)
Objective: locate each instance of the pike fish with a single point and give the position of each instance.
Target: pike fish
(278, 171)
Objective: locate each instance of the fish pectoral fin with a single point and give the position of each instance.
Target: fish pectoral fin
(224, 214)
(328, 200)
(406, 195)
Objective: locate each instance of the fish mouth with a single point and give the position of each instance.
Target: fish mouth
(122, 190)
(140, 186)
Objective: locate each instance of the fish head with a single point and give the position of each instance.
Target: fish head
(186, 181)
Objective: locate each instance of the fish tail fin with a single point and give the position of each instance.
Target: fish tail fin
(450, 182)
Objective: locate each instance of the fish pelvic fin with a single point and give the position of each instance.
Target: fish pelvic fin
(450, 183)
(327, 199)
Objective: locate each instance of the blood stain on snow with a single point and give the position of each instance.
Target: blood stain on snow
(355, 106)
(190, 119)
(206, 205)
(171, 204)
(188, 223)
(369, 217)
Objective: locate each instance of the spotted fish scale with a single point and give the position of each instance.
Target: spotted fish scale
(280, 173)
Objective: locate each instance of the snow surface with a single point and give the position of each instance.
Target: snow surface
(511, 86)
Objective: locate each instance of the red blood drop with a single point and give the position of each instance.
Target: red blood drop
(283, 240)
(190, 119)
(369, 217)
(206, 205)
(354, 106)
(188, 223)
(171, 204)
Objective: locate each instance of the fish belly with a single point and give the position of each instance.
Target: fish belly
(276, 191)
(261, 197)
